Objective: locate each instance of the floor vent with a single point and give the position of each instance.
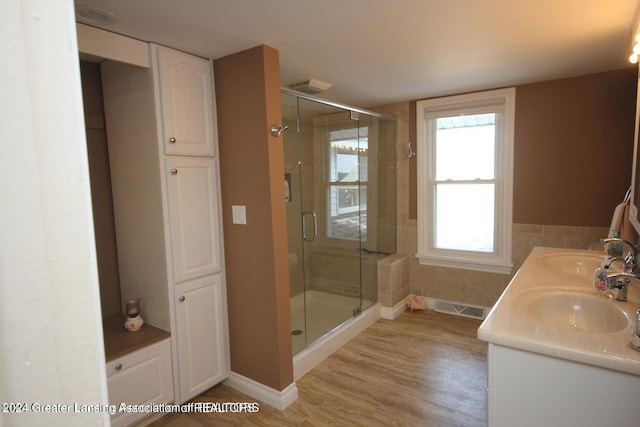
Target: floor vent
(472, 311)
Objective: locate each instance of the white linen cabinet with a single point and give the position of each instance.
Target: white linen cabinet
(192, 184)
(165, 182)
(184, 86)
(199, 305)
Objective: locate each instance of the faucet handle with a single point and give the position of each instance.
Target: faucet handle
(629, 259)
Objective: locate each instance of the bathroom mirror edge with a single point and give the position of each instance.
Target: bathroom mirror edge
(634, 219)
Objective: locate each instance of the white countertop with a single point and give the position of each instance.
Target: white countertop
(508, 325)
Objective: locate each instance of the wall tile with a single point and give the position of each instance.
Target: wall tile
(480, 288)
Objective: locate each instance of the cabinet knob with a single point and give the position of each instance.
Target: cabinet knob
(182, 298)
(174, 171)
(172, 140)
(119, 367)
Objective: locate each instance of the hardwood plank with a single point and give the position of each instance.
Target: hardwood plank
(422, 369)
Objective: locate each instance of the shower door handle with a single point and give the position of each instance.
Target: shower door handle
(304, 226)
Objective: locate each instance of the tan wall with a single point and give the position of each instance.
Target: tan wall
(573, 148)
(101, 198)
(573, 139)
(252, 169)
(572, 165)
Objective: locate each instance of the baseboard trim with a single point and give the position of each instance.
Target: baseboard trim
(429, 302)
(390, 313)
(265, 394)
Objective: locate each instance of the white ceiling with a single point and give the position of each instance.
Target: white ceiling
(383, 51)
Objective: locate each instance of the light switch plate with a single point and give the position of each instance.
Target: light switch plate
(239, 214)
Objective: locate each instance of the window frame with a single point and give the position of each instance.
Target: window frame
(498, 101)
(359, 184)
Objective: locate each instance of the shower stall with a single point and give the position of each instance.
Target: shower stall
(340, 185)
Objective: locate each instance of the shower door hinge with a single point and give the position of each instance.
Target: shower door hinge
(355, 115)
(357, 310)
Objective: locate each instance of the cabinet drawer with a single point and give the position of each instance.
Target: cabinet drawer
(141, 377)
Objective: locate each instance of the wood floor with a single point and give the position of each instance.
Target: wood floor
(422, 369)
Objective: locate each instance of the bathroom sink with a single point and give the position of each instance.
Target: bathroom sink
(572, 311)
(575, 264)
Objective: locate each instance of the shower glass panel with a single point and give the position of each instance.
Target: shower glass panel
(341, 216)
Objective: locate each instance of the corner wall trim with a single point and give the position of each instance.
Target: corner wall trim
(274, 398)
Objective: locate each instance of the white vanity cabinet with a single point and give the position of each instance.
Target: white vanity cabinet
(167, 208)
(139, 378)
(199, 305)
(184, 86)
(558, 354)
(527, 389)
(192, 188)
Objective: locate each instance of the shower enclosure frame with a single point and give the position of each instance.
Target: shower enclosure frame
(312, 247)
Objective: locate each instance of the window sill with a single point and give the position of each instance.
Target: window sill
(488, 264)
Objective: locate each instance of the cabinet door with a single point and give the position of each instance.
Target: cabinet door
(201, 339)
(139, 378)
(186, 102)
(193, 216)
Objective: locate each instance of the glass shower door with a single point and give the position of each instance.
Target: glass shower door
(322, 171)
(378, 216)
(293, 200)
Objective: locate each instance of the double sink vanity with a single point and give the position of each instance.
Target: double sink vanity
(560, 354)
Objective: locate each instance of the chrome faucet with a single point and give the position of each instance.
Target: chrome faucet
(622, 279)
(630, 271)
(633, 249)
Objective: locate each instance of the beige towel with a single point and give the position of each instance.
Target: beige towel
(616, 220)
(627, 232)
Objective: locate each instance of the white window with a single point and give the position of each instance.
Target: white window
(465, 180)
(347, 183)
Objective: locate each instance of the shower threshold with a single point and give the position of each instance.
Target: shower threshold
(323, 347)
